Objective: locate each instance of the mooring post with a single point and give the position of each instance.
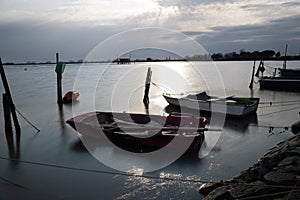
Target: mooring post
(147, 86)
(6, 112)
(252, 77)
(60, 67)
(9, 98)
(59, 77)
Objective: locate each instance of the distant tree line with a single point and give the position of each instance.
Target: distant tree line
(255, 55)
(232, 56)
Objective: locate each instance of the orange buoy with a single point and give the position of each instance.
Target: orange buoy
(70, 96)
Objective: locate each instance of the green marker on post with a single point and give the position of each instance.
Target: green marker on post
(60, 67)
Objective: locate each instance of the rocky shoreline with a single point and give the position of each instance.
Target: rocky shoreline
(275, 176)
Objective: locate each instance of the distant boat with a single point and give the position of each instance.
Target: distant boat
(236, 106)
(132, 131)
(288, 79)
(291, 73)
(279, 83)
(122, 61)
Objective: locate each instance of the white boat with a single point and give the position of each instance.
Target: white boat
(236, 106)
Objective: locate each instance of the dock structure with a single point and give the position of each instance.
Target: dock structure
(122, 61)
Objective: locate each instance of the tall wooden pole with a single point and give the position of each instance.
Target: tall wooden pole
(59, 77)
(252, 77)
(284, 62)
(9, 98)
(7, 116)
(147, 87)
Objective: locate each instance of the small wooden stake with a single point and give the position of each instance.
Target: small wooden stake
(7, 116)
(9, 98)
(59, 77)
(252, 78)
(147, 87)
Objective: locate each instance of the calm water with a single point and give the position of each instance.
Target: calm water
(120, 88)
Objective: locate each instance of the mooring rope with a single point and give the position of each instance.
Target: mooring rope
(12, 183)
(279, 105)
(133, 175)
(279, 102)
(279, 111)
(269, 195)
(164, 91)
(38, 130)
(271, 128)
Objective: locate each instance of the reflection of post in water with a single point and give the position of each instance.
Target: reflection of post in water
(146, 107)
(61, 117)
(14, 151)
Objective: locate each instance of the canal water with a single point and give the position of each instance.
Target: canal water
(55, 164)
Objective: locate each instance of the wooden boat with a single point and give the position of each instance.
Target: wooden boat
(236, 106)
(292, 73)
(288, 79)
(279, 83)
(141, 132)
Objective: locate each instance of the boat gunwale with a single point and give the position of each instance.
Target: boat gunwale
(253, 100)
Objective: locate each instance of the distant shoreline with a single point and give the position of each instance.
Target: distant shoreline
(289, 58)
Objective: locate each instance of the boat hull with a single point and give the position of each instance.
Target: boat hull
(141, 137)
(279, 83)
(292, 73)
(223, 107)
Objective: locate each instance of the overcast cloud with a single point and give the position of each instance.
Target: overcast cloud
(33, 30)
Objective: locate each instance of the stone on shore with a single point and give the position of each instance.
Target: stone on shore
(296, 127)
(275, 176)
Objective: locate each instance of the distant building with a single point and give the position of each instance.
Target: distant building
(122, 60)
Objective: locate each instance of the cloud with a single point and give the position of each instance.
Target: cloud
(33, 30)
(24, 41)
(273, 35)
(81, 11)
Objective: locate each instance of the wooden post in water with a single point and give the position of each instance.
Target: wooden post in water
(252, 77)
(7, 116)
(284, 62)
(9, 99)
(59, 77)
(147, 87)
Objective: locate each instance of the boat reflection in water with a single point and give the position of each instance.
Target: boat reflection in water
(235, 123)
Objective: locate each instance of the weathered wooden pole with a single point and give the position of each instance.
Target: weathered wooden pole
(9, 98)
(8, 126)
(284, 62)
(7, 116)
(59, 77)
(252, 77)
(147, 86)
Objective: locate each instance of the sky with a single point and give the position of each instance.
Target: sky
(34, 30)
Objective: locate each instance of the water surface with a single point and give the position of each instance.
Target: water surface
(120, 88)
